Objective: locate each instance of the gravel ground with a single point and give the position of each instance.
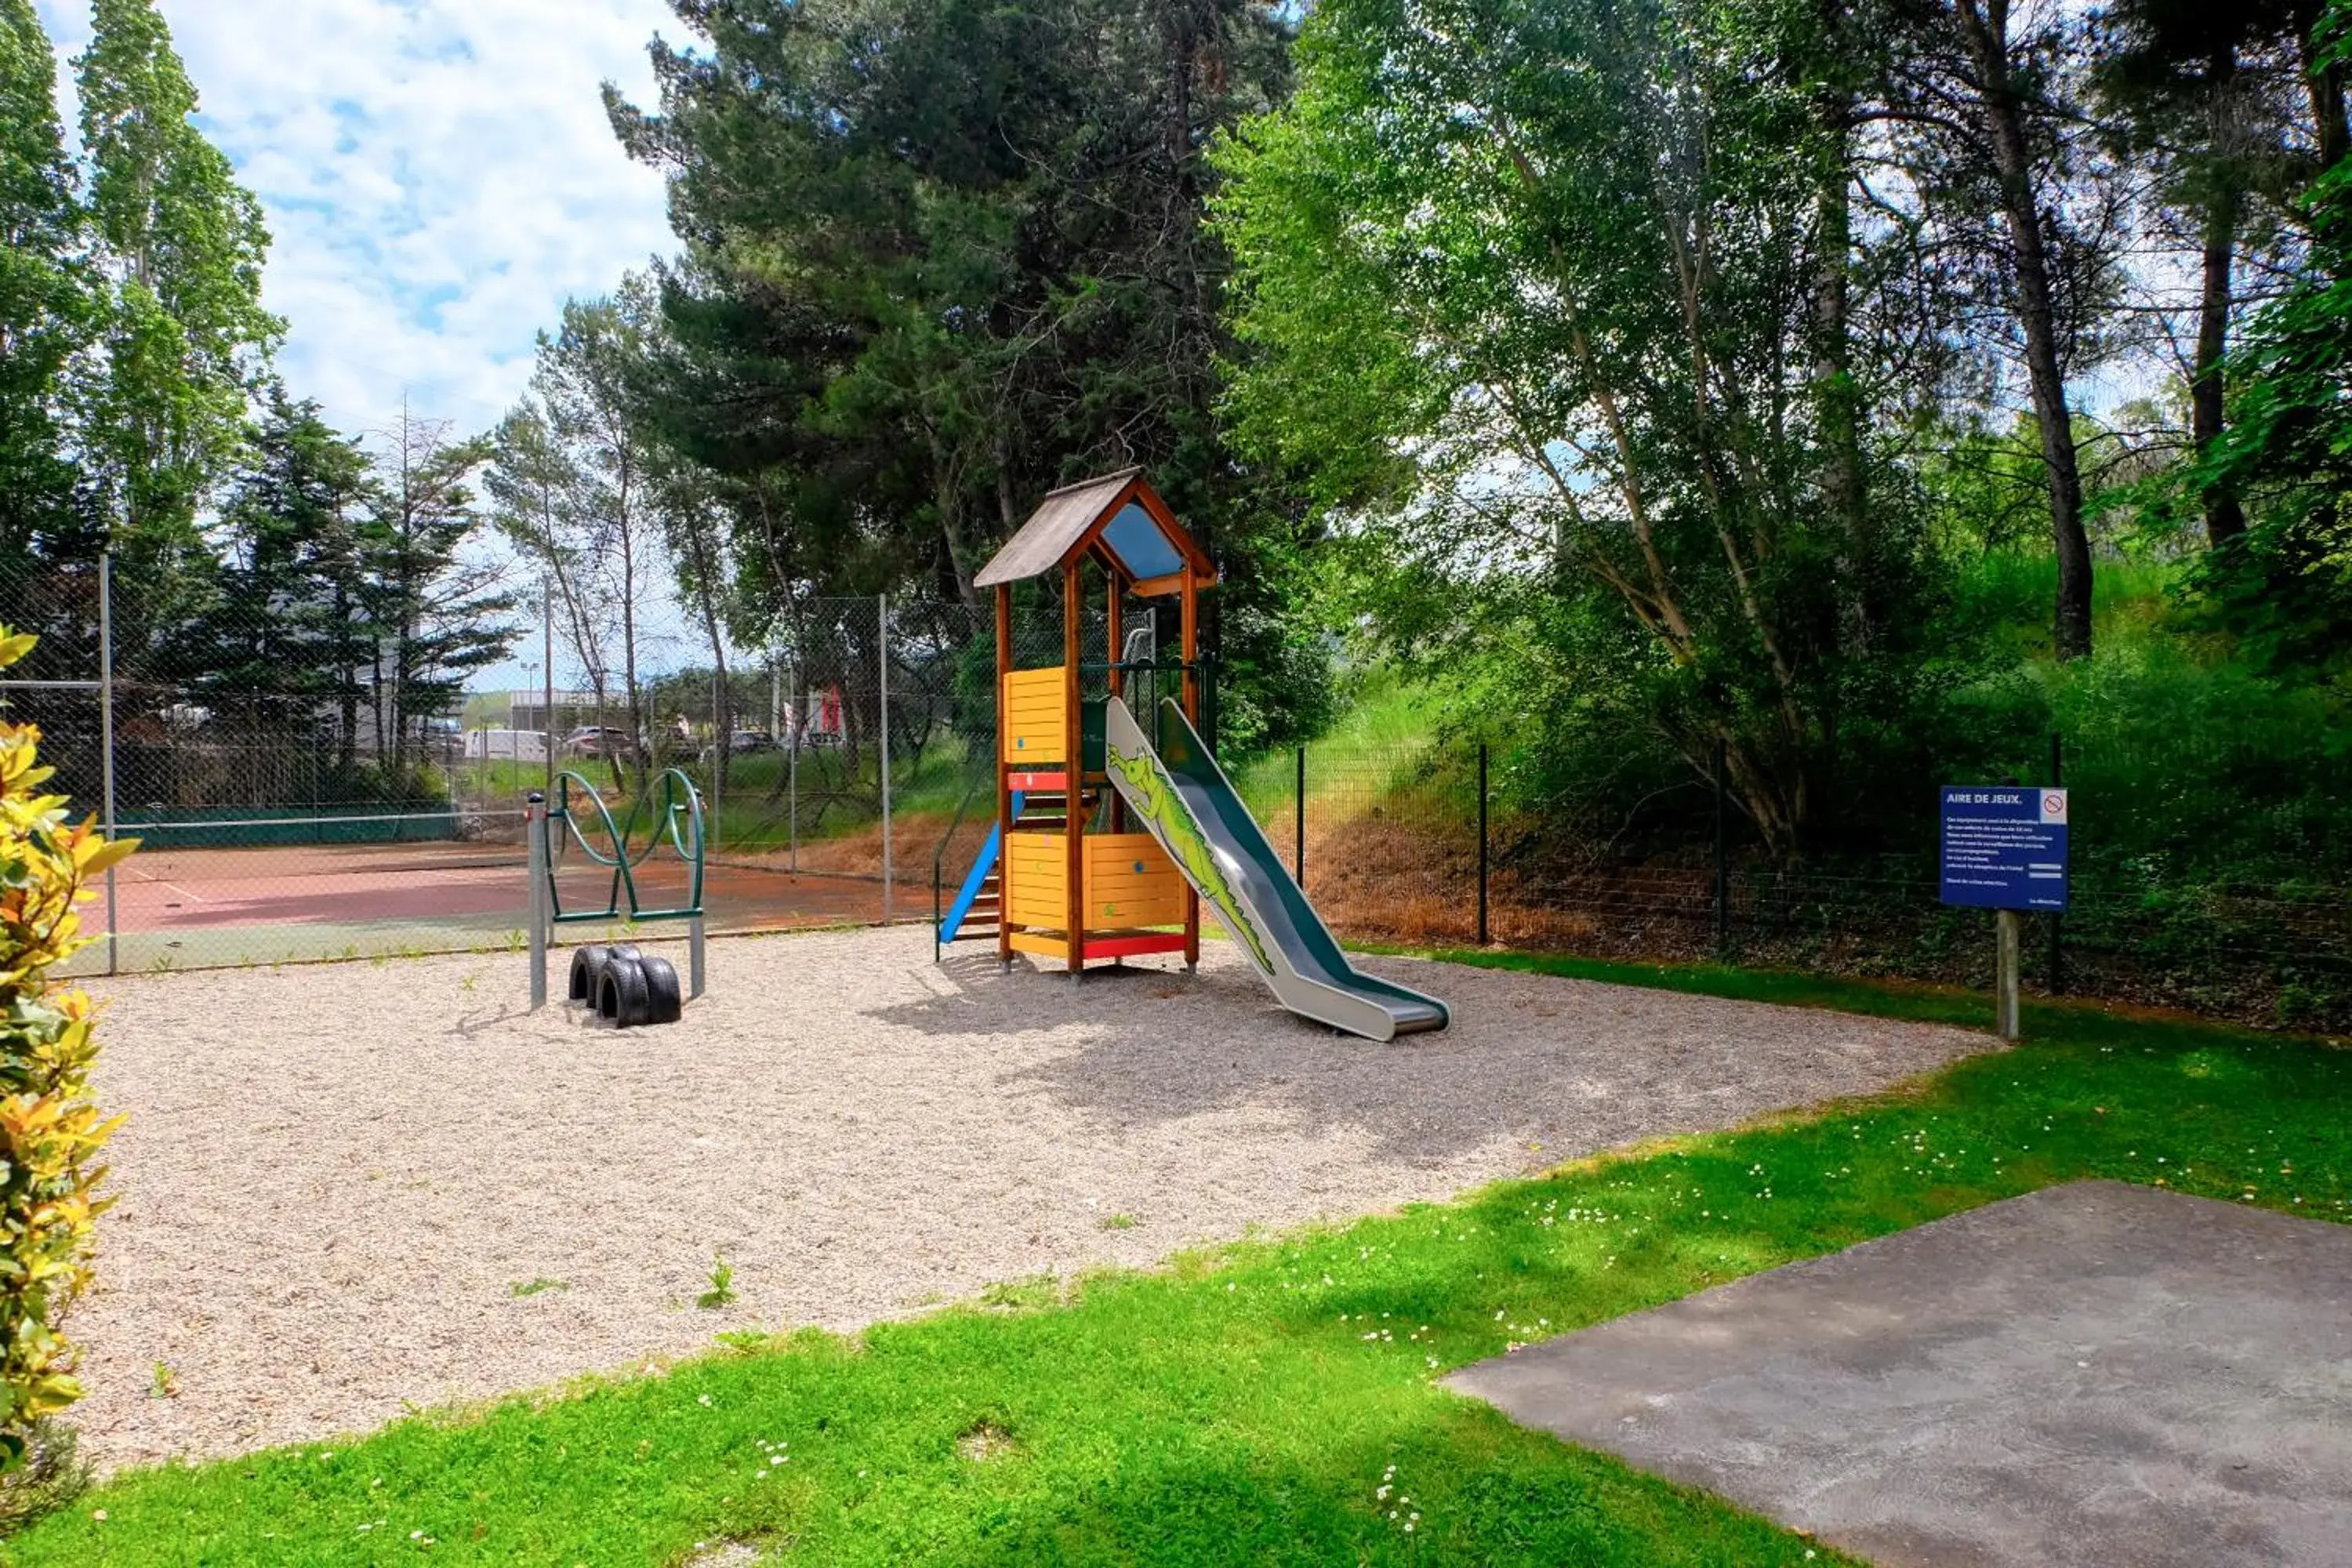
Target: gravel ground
(336, 1179)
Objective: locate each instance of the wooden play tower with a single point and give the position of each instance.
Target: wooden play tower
(1075, 881)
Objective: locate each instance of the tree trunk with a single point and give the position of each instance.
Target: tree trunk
(2323, 80)
(1987, 30)
(2225, 519)
(1837, 401)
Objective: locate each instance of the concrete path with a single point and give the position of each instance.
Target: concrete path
(2096, 1374)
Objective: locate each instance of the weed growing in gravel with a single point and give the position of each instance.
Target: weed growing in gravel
(1116, 1222)
(723, 1284)
(537, 1287)
(165, 1384)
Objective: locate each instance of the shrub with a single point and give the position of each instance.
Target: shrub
(50, 1133)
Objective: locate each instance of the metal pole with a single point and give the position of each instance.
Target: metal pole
(547, 687)
(1482, 936)
(694, 982)
(535, 831)
(2057, 951)
(1298, 858)
(882, 668)
(106, 734)
(2004, 999)
(1722, 859)
(792, 766)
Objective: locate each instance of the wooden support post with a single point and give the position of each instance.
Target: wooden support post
(1189, 609)
(1073, 769)
(2004, 981)
(1003, 782)
(1116, 683)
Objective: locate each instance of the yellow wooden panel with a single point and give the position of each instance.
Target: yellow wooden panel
(1033, 717)
(1130, 881)
(1037, 879)
(1038, 942)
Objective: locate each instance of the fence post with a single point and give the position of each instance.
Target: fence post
(106, 734)
(882, 644)
(2057, 950)
(792, 766)
(722, 726)
(547, 689)
(1299, 855)
(1722, 860)
(535, 832)
(1483, 937)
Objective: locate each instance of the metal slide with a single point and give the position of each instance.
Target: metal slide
(1180, 794)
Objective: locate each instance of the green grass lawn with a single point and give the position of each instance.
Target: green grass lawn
(1273, 1401)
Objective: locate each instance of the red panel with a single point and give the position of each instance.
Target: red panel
(1128, 946)
(1039, 781)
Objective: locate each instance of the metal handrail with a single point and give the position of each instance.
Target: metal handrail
(939, 862)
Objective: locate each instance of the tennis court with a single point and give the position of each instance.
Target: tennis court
(197, 907)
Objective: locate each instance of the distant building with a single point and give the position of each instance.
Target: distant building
(528, 710)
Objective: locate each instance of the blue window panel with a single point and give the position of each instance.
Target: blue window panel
(1139, 545)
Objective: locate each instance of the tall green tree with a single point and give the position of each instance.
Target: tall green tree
(2202, 96)
(574, 487)
(943, 254)
(45, 306)
(1989, 93)
(1533, 295)
(285, 637)
(438, 604)
(185, 340)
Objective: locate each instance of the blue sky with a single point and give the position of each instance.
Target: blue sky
(438, 176)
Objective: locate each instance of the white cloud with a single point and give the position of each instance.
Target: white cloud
(438, 176)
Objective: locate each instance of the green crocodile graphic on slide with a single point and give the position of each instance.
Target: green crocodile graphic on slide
(1150, 796)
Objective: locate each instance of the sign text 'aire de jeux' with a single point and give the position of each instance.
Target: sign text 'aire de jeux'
(2004, 847)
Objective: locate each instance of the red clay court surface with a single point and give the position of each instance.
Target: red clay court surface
(471, 886)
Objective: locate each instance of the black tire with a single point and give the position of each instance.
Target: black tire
(663, 1003)
(587, 964)
(621, 995)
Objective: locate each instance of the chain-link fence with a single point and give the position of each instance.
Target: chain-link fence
(1395, 847)
(288, 817)
(846, 769)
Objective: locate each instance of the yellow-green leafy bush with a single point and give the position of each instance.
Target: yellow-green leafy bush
(50, 1133)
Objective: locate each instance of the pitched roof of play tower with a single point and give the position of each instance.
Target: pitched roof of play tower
(1119, 516)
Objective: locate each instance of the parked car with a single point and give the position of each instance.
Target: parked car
(596, 740)
(744, 743)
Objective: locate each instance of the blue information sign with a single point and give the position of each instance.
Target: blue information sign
(2004, 847)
